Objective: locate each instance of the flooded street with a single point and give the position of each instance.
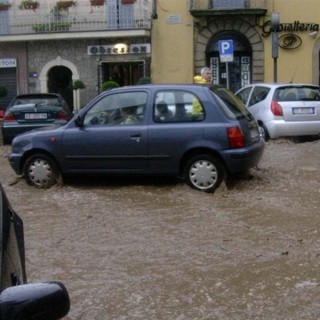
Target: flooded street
(156, 249)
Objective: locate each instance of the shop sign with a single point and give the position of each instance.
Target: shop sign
(119, 49)
(290, 41)
(8, 63)
(296, 26)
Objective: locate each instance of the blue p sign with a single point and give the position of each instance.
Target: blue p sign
(226, 50)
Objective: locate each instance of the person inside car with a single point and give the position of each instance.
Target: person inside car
(164, 113)
(129, 115)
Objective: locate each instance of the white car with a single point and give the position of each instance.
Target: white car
(283, 110)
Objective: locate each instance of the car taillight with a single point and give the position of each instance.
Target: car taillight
(1, 113)
(276, 109)
(9, 116)
(236, 138)
(62, 116)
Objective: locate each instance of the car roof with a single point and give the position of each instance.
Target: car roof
(165, 85)
(35, 95)
(282, 84)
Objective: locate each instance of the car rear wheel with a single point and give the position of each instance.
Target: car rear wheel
(204, 173)
(263, 132)
(40, 171)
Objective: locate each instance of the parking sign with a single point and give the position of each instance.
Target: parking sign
(226, 50)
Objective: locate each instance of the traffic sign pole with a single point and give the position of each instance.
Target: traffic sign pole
(226, 55)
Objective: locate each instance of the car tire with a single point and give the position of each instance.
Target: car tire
(263, 132)
(41, 171)
(204, 173)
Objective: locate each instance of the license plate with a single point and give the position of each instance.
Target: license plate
(35, 116)
(303, 110)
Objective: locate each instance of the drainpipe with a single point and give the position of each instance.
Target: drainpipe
(154, 10)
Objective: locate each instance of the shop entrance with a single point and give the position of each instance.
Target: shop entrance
(59, 80)
(124, 73)
(240, 70)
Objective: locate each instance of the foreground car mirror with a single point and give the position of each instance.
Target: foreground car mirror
(38, 301)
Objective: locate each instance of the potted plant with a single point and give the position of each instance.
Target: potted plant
(29, 5)
(109, 85)
(4, 6)
(3, 91)
(97, 3)
(64, 5)
(53, 26)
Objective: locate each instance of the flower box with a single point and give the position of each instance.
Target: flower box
(128, 1)
(29, 5)
(97, 3)
(4, 6)
(64, 5)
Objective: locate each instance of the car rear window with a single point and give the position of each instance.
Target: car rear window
(232, 106)
(53, 101)
(297, 93)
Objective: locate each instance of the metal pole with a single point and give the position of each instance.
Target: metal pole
(227, 71)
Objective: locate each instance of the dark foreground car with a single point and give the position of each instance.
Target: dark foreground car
(199, 132)
(20, 300)
(30, 111)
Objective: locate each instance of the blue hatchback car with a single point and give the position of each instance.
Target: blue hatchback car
(199, 132)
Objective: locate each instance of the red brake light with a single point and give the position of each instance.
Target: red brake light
(1, 113)
(62, 116)
(9, 116)
(236, 138)
(276, 109)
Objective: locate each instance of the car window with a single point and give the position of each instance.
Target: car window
(177, 106)
(230, 104)
(297, 93)
(244, 94)
(52, 101)
(117, 109)
(259, 93)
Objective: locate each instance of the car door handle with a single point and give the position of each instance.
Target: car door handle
(136, 136)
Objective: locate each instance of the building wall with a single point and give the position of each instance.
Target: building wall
(178, 49)
(172, 43)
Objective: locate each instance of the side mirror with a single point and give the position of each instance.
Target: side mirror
(79, 121)
(38, 301)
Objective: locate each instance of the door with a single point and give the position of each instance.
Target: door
(113, 137)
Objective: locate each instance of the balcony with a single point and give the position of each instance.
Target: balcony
(82, 19)
(207, 8)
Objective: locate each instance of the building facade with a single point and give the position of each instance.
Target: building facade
(187, 34)
(45, 45)
(48, 46)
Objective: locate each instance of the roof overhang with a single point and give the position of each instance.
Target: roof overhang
(76, 35)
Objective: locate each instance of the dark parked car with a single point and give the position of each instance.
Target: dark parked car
(19, 299)
(30, 111)
(206, 134)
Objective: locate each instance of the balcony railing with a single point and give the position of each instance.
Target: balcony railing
(227, 4)
(81, 16)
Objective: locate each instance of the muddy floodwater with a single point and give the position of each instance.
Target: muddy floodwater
(156, 249)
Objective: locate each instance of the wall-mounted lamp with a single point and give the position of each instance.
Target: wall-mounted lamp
(313, 34)
(120, 48)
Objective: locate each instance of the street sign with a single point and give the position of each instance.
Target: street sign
(226, 50)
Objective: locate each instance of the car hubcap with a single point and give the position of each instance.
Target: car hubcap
(262, 133)
(203, 174)
(40, 172)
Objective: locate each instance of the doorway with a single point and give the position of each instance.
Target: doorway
(124, 73)
(59, 80)
(237, 73)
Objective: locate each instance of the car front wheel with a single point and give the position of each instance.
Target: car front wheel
(204, 173)
(40, 171)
